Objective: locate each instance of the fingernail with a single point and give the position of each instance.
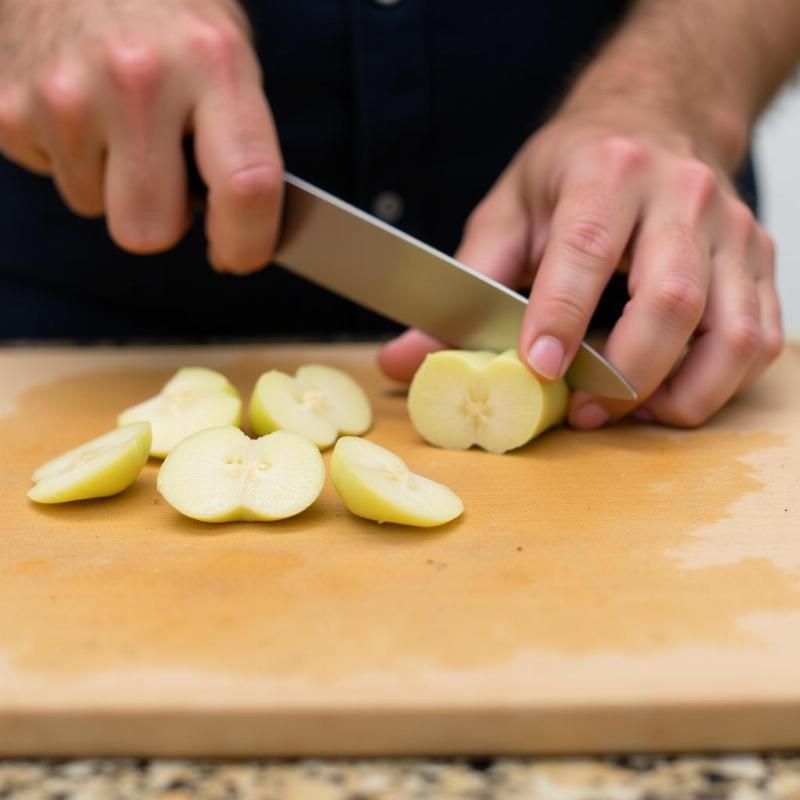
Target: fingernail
(547, 357)
(589, 417)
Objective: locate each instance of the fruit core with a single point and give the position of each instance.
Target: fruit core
(314, 399)
(89, 455)
(246, 467)
(399, 475)
(476, 407)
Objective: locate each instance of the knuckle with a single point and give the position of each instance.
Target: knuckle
(767, 244)
(743, 338)
(135, 67)
(679, 301)
(741, 221)
(621, 155)
(64, 94)
(215, 46)
(257, 184)
(698, 184)
(589, 241)
(773, 343)
(566, 309)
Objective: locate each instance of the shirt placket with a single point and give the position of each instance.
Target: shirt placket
(389, 62)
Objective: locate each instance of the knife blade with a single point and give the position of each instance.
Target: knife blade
(362, 258)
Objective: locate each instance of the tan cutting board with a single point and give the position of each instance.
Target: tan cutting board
(637, 588)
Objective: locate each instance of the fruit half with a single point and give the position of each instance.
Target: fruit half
(193, 399)
(99, 468)
(221, 475)
(376, 484)
(319, 402)
(458, 399)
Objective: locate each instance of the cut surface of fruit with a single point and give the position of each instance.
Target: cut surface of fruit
(458, 399)
(99, 468)
(193, 399)
(221, 475)
(319, 402)
(376, 484)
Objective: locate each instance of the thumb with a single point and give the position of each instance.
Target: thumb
(496, 243)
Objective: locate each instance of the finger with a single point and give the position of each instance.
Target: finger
(67, 125)
(669, 280)
(730, 343)
(18, 141)
(400, 358)
(239, 158)
(763, 259)
(495, 242)
(145, 179)
(594, 218)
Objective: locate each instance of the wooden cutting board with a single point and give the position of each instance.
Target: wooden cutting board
(631, 589)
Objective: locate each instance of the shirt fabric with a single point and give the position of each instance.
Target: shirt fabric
(407, 108)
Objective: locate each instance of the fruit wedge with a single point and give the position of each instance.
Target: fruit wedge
(193, 399)
(319, 402)
(99, 468)
(458, 399)
(221, 475)
(376, 484)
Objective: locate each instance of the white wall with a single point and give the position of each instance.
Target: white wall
(777, 147)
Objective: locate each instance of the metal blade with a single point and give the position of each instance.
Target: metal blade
(362, 258)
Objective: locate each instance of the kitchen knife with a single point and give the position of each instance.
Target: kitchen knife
(351, 253)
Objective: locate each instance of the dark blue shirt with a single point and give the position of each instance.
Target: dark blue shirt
(409, 108)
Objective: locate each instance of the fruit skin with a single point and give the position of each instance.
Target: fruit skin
(319, 402)
(458, 399)
(230, 462)
(118, 458)
(194, 398)
(375, 483)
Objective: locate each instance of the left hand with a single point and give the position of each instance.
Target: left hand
(595, 185)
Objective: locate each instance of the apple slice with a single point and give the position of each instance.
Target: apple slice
(458, 399)
(319, 402)
(193, 399)
(221, 475)
(99, 468)
(376, 484)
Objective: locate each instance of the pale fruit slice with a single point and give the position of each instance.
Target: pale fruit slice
(319, 402)
(193, 399)
(459, 399)
(99, 468)
(221, 475)
(376, 484)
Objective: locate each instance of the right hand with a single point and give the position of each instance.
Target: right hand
(101, 93)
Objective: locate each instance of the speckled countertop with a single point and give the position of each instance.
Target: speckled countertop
(736, 777)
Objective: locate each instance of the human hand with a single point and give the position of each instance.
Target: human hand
(101, 93)
(600, 183)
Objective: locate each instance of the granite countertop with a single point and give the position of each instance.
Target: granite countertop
(738, 777)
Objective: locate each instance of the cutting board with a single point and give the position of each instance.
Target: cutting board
(630, 589)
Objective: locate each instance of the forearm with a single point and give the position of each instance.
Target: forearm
(712, 65)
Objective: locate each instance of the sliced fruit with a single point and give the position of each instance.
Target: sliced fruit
(376, 484)
(99, 468)
(319, 402)
(193, 399)
(221, 475)
(458, 399)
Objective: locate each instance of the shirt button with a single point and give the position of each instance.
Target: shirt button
(387, 2)
(388, 206)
